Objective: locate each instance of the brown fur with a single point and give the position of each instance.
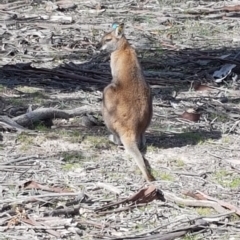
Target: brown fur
(127, 100)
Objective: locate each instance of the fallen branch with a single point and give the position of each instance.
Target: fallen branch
(173, 234)
(217, 59)
(144, 195)
(194, 203)
(235, 8)
(198, 221)
(203, 197)
(35, 198)
(41, 114)
(109, 187)
(167, 236)
(35, 185)
(20, 159)
(37, 225)
(9, 124)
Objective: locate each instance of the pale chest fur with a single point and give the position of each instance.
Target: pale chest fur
(113, 65)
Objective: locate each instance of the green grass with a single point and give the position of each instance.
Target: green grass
(1, 88)
(73, 136)
(177, 163)
(41, 127)
(72, 160)
(162, 175)
(226, 179)
(70, 166)
(193, 137)
(17, 101)
(25, 140)
(220, 117)
(189, 237)
(98, 142)
(234, 183)
(72, 157)
(204, 211)
(180, 163)
(152, 148)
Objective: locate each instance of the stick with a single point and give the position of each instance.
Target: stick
(194, 203)
(220, 202)
(37, 197)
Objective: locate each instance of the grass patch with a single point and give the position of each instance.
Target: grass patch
(152, 148)
(234, 218)
(98, 142)
(189, 237)
(234, 183)
(220, 117)
(41, 127)
(203, 211)
(72, 136)
(17, 101)
(226, 179)
(177, 163)
(226, 139)
(70, 166)
(25, 140)
(72, 160)
(162, 175)
(180, 163)
(1, 88)
(72, 157)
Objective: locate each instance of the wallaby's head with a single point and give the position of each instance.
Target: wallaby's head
(110, 40)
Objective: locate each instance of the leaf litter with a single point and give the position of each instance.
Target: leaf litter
(61, 178)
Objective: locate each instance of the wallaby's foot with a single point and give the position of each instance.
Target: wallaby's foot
(115, 139)
(149, 176)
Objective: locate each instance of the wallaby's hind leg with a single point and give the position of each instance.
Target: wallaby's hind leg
(142, 142)
(115, 139)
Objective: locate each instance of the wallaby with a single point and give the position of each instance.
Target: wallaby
(127, 100)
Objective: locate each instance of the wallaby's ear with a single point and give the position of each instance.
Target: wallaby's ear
(119, 29)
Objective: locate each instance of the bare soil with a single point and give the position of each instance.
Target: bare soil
(58, 176)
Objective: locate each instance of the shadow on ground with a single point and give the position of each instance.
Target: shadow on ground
(165, 140)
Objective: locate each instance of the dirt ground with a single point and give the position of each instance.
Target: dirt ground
(60, 178)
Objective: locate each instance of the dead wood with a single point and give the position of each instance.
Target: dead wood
(159, 236)
(20, 159)
(9, 124)
(194, 203)
(143, 196)
(200, 223)
(34, 223)
(235, 8)
(35, 185)
(35, 198)
(28, 119)
(202, 197)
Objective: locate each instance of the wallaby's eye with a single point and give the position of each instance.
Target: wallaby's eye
(108, 39)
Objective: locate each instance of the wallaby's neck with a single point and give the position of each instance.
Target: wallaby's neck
(125, 67)
(123, 44)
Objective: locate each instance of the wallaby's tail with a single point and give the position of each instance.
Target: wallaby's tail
(132, 149)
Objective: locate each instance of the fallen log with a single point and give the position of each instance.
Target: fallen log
(43, 114)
